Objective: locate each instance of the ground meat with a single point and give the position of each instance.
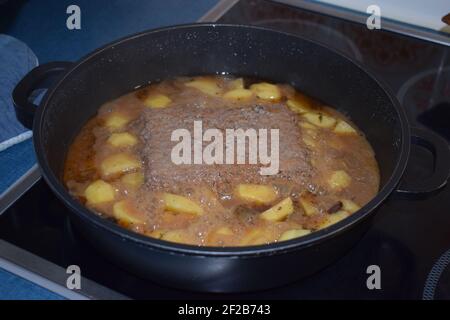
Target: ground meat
(161, 172)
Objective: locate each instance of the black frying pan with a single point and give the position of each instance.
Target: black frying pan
(197, 49)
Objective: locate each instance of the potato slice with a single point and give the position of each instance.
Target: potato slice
(237, 83)
(120, 140)
(319, 119)
(266, 91)
(297, 106)
(339, 180)
(126, 213)
(334, 218)
(307, 125)
(279, 211)
(219, 235)
(349, 206)
(255, 193)
(254, 237)
(156, 233)
(99, 191)
(119, 163)
(343, 127)
(224, 231)
(308, 207)
(293, 233)
(309, 141)
(205, 85)
(115, 121)
(177, 236)
(157, 101)
(133, 180)
(238, 94)
(176, 203)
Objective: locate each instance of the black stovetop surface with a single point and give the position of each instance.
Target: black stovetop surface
(408, 236)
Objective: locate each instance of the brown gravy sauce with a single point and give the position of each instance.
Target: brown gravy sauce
(119, 165)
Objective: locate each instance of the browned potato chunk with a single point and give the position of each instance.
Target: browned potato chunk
(238, 94)
(176, 203)
(309, 141)
(307, 125)
(334, 218)
(308, 206)
(343, 127)
(339, 180)
(349, 206)
(120, 140)
(225, 231)
(254, 237)
(99, 191)
(205, 85)
(219, 235)
(125, 212)
(156, 233)
(133, 180)
(157, 100)
(255, 193)
(293, 233)
(119, 163)
(279, 211)
(177, 236)
(300, 103)
(266, 91)
(319, 119)
(297, 106)
(115, 121)
(237, 83)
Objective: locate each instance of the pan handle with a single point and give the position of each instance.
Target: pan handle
(440, 150)
(40, 77)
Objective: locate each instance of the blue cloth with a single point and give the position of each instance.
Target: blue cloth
(41, 24)
(14, 287)
(16, 59)
(14, 162)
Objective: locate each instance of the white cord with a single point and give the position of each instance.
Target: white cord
(15, 140)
